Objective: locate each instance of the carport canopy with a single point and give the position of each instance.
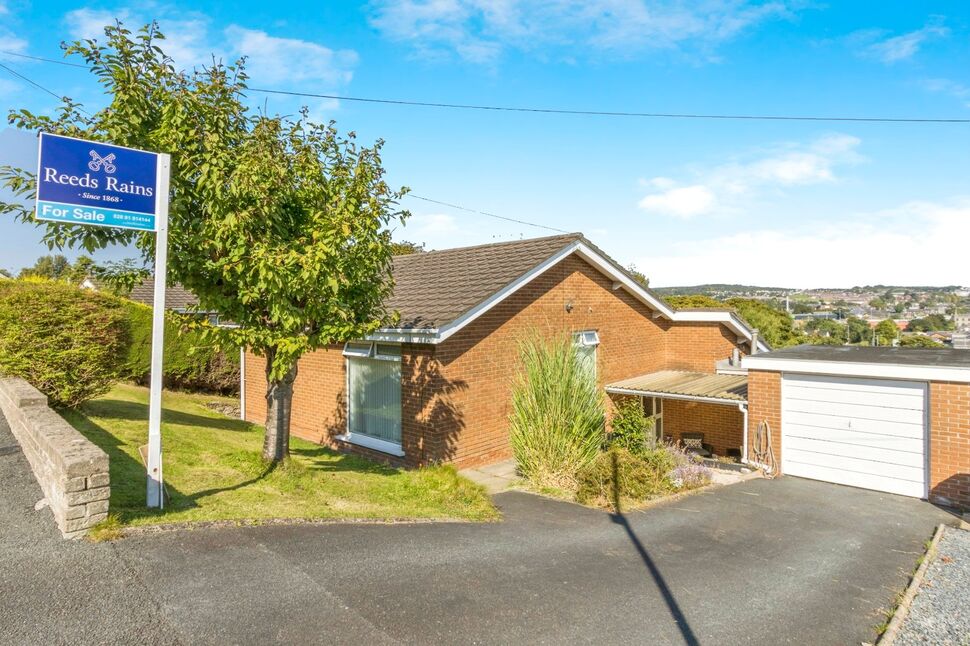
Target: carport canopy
(681, 384)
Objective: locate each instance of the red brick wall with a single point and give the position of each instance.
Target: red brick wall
(721, 425)
(455, 396)
(764, 403)
(950, 443)
(319, 397)
(483, 356)
(698, 346)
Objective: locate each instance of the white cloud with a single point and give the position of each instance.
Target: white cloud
(683, 202)
(4, 10)
(952, 88)
(86, 23)
(877, 44)
(480, 30)
(191, 42)
(918, 243)
(280, 60)
(726, 186)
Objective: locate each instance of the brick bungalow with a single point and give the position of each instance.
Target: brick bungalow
(436, 388)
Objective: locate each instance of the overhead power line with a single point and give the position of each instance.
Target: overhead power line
(491, 215)
(44, 60)
(563, 111)
(417, 197)
(606, 113)
(34, 83)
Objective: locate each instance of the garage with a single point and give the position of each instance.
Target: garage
(895, 420)
(868, 433)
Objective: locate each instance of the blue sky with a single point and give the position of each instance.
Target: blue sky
(797, 204)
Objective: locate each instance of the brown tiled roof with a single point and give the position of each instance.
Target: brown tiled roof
(435, 288)
(176, 296)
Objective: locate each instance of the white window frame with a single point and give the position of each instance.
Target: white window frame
(589, 339)
(380, 351)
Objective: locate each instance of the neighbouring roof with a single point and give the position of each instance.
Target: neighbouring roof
(932, 357)
(176, 296)
(685, 385)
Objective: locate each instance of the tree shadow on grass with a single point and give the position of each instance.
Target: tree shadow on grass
(673, 607)
(134, 411)
(127, 473)
(335, 461)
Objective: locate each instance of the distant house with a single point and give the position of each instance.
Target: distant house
(436, 387)
(177, 298)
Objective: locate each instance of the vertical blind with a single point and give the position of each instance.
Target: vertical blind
(375, 398)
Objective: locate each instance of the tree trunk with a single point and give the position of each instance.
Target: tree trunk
(279, 404)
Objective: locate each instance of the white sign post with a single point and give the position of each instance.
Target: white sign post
(97, 184)
(155, 495)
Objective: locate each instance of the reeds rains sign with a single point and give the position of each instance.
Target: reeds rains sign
(86, 182)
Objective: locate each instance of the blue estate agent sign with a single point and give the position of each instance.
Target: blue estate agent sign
(86, 182)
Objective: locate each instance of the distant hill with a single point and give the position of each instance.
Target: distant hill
(749, 289)
(717, 287)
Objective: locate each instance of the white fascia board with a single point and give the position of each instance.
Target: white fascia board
(662, 395)
(855, 369)
(632, 286)
(393, 335)
(501, 295)
(594, 258)
(724, 318)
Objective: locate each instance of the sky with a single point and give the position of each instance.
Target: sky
(687, 201)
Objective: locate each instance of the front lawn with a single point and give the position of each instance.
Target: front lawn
(214, 471)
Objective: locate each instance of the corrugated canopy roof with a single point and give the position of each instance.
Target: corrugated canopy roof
(686, 385)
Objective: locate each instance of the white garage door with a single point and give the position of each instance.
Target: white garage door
(867, 433)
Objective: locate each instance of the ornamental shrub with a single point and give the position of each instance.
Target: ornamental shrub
(558, 418)
(621, 476)
(631, 428)
(67, 342)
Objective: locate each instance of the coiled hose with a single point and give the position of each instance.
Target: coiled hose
(763, 454)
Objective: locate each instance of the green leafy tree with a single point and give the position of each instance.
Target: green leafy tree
(776, 326)
(919, 341)
(832, 332)
(638, 275)
(51, 267)
(405, 248)
(279, 224)
(886, 332)
(5, 273)
(688, 301)
(930, 323)
(858, 330)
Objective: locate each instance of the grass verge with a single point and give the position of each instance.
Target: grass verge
(214, 471)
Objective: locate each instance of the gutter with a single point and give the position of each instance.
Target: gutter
(663, 395)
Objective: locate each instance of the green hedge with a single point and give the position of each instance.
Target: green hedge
(190, 362)
(74, 344)
(64, 341)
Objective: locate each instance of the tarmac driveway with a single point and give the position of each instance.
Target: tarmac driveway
(761, 562)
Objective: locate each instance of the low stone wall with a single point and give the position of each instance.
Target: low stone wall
(71, 470)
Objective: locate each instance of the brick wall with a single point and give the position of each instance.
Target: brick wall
(950, 443)
(483, 356)
(319, 397)
(71, 470)
(456, 395)
(764, 404)
(721, 425)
